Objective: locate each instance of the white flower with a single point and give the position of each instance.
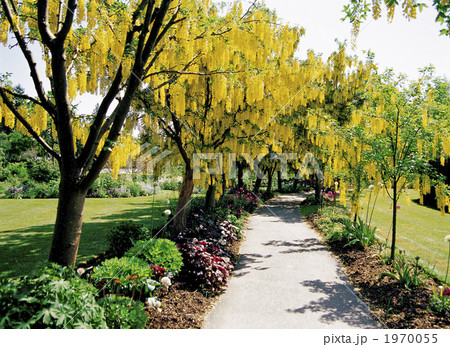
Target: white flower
(151, 302)
(380, 184)
(371, 187)
(80, 271)
(167, 201)
(167, 212)
(157, 304)
(447, 238)
(165, 281)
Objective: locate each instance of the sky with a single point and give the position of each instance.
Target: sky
(401, 45)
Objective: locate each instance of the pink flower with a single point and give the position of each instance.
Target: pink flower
(398, 207)
(446, 292)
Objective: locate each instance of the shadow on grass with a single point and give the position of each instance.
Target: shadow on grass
(339, 304)
(23, 251)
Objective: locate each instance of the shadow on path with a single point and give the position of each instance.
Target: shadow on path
(247, 261)
(339, 304)
(285, 211)
(298, 246)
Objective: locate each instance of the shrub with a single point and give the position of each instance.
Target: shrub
(159, 252)
(43, 171)
(14, 192)
(236, 202)
(15, 173)
(170, 184)
(122, 237)
(135, 189)
(104, 182)
(57, 298)
(36, 190)
(129, 276)
(121, 192)
(206, 264)
(122, 312)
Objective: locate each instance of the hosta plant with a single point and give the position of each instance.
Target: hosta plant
(159, 252)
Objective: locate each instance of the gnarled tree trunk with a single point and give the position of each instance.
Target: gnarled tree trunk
(280, 181)
(257, 185)
(187, 188)
(69, 219)
(210, 198)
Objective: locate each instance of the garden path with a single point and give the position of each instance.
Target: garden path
(286, 278)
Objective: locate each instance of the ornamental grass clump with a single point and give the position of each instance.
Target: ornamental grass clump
(405, 273)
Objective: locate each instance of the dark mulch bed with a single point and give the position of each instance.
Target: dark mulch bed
(391, 304)
(182, 308)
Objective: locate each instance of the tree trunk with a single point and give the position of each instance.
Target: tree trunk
(295, 184)
(280, 181)
(257, 185)
(240, 167)
(269, 182)
(187, 187)
(69, 219)
(224, 185)
(210, 199)
(318, 189)
(394, 219)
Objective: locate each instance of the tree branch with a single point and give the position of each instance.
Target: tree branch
(44, 28)
(45, 103)
(67, 25)
(30, 129)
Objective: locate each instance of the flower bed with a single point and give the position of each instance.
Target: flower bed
(409, 299)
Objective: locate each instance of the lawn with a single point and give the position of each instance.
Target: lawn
(420, 230)
(27, 225)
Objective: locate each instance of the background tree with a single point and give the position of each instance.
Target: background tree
(357, 11)
(402, 136)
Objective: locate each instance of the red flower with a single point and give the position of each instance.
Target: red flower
(446, 292)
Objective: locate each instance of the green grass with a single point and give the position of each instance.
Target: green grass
(27, 225)
(420, 230)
